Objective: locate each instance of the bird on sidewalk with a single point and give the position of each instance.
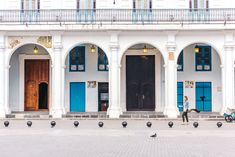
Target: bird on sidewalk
(154, 135)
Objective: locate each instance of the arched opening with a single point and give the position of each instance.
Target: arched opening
(86, 79)
(199, 78)
(43, 96)
(142, 79)
(29, 66)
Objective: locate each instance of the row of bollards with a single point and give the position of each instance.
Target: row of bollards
(101, 124)
(195, 124)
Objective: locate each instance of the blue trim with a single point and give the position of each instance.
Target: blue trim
(79, 52)
(203, 96)
(201, 57)
(180, 61)
(102, 60)
(180, 95)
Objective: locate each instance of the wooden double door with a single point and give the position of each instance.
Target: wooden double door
(36, 85)
(140, 83)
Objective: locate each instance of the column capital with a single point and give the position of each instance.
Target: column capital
(228, 46)
(57, 46)
(114, 46)
(171, 46)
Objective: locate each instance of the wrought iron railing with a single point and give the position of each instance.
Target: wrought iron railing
(118, 16)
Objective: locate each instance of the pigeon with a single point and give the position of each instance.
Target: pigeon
(154, 135)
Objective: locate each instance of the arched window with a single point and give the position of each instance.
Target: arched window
(102, 60)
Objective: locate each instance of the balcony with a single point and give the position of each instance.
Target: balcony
(118, 16)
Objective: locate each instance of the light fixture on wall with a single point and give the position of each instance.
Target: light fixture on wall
(93, 49)
(196, 49)
(114, 2)
(35, 50)
(145, 50)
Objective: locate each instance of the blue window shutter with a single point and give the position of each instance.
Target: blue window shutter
(180, 61)
(102, 60)
(77, 59)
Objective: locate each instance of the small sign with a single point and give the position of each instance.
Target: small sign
(189, 84)
(91, 84)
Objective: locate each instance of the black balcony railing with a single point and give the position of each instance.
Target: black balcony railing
(118, 16)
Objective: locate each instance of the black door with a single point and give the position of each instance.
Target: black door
(103, 92)
(140, 83)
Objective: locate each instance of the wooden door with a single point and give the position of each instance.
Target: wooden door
(36, 71)
(140, 83)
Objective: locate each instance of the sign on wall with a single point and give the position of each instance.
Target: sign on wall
(189, 84)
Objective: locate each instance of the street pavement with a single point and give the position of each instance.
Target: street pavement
(112, 140)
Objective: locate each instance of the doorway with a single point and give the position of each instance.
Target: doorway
(140, 83)
(77, 97)
(103, 94)
(36, 71)
(203, 96)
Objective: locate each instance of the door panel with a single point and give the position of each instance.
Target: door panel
(140, 83)
(77, 96)
(180, 95)
(36, 71)
(203, 96)
(31, 96)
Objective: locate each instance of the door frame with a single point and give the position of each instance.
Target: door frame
(22, 59)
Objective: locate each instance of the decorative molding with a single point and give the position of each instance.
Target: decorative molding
(14, 41)
(46, 41)
(171, 56)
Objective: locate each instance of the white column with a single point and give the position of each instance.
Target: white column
(228, 78)
(2, 77)
(114, 109)
(171, 83)
(57, 108)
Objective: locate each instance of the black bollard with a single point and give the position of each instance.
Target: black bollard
(195, 124)
(170, 124)
(124, 124)
(101, 124)
(219, 124)
(149, 124)
(29, 123)
(53, 123)
(6, 123)
(76, 123)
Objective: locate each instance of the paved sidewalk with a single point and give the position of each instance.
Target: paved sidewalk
(88, 140)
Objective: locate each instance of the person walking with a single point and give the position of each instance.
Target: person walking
(185, 110)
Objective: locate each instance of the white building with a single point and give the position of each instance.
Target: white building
(67, 56)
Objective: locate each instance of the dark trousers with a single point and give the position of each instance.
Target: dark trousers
(185, 115)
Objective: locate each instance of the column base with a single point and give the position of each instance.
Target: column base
(2, 114)
(57, 113)
(114, 112)
(171, 112)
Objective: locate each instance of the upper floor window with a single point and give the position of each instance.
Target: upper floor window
(86, 4)
(77, 59)
(30, 5)
(102, 60)
(198, 4)
(142, 4)
(180, 62)
(203, 58)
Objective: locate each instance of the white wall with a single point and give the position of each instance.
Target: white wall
(14, 74)
(214, 76)
(91, 74)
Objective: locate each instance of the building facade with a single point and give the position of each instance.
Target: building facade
(116, 56)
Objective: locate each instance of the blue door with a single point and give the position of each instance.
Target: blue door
(180, 95)
(77, 97)
(203, 96)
